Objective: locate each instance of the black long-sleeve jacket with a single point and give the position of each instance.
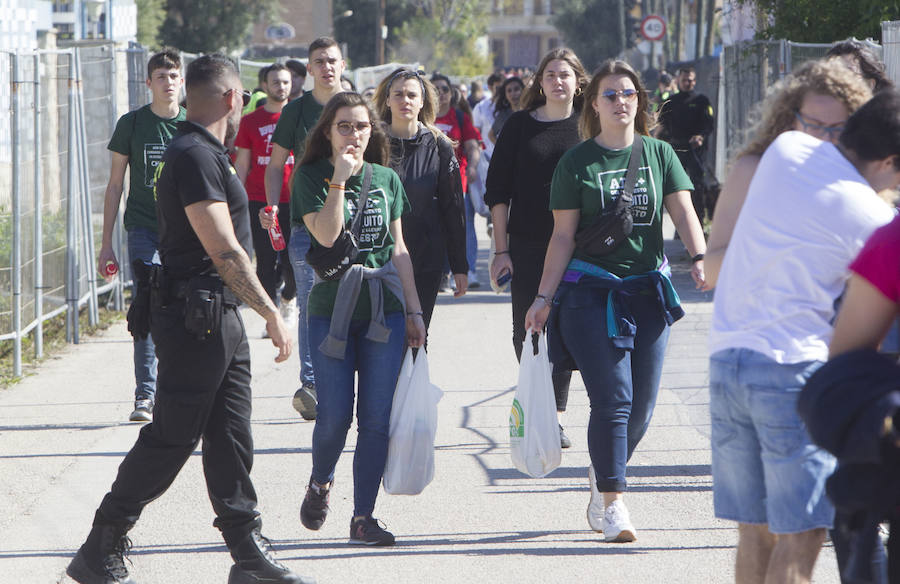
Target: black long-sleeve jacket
(434, 229)
(845, 405)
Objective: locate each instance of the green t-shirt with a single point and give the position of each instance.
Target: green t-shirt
(142, 136)
(296, 121)
(386, 203)
(590, 177)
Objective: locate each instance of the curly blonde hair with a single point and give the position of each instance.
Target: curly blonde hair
(776, 113)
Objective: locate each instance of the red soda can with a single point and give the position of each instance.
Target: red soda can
(275, 235)
(111, 268)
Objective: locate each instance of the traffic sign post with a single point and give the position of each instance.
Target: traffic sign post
(653, 27)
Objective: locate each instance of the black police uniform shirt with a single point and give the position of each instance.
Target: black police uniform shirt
(195, 167)
(684, 115)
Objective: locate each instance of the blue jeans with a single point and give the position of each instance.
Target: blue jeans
(621, 385)
(303, 277)
(471, 238)
(142, 245)
(765, 467)
(378, 365)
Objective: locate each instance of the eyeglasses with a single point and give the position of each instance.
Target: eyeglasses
(245, 95)
(347, 128)
(832, 132)
(442, 88)
(612, 94)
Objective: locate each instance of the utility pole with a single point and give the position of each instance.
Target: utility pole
(710, 28)
(698, 33)
(623, 40)
(379, 32)
(679, 28)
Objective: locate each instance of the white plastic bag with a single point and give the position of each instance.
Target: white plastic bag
(533, 427)
(410, 458)
(477, 187)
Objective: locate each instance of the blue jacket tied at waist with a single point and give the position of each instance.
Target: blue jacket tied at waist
(620, 325)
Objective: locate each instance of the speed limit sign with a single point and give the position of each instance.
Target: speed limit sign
(653, 27)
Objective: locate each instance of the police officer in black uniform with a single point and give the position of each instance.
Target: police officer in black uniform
(687, 122)
(204, 358)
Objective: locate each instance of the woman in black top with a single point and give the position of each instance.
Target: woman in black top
(434, 229)
(518, 187)
(506, 103)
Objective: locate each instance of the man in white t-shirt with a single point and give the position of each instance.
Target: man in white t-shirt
(483, 112)
(810, 207)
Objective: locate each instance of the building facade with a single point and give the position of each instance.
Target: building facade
(296, 24)
(520, 32)
(77, 20)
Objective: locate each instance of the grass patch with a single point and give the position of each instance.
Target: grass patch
(54, 342)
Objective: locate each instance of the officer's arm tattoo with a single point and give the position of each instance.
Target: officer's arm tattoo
(235, 269)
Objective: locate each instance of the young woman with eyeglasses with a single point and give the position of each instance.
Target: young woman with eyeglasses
(817, 98)
(357, 325)
(620, 364)
(518, 189)
(422, 155)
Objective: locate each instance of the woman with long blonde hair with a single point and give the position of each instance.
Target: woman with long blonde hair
(434, 230)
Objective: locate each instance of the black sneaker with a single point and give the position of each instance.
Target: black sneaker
(101, 559)
(305, 400)
(367, 531)
(254, 563)
(314, 509)
(564, 441)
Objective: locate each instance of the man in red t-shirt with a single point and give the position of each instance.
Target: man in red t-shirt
(458, 126)
(254, 147)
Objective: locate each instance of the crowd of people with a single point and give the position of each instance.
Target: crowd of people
(375, 195)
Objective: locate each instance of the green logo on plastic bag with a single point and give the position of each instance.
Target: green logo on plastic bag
(516, 421)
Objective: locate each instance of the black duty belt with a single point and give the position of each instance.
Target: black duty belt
(179, 290)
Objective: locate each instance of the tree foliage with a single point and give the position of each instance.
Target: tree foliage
(150, 16)
(205, 26)
(443, 35)
(358, 30)
(815, 21)
(591, 28)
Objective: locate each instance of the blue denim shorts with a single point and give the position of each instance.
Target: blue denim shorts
(765, 467)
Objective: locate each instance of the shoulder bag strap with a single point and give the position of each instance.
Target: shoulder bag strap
(633, 163)
(356, 225)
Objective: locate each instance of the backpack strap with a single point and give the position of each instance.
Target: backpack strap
(633, 163)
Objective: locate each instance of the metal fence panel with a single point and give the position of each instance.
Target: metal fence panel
(890, 37)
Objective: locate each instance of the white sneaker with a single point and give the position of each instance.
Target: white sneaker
(473, 280)
(288, 309)
(595, 507)
(617, 525)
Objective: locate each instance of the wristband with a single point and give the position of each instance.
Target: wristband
(696, 258)
(336, 186)
(506, 252)
(422, 314)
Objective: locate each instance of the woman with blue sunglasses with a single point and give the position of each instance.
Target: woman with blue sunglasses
(629, 287)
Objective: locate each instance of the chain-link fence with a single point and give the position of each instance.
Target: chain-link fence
(890, 38)
(747, 71)
(61, 106)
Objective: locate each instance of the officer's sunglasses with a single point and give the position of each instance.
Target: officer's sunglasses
(245, 95)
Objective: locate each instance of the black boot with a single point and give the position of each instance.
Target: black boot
(101, 559)
(254, 563)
